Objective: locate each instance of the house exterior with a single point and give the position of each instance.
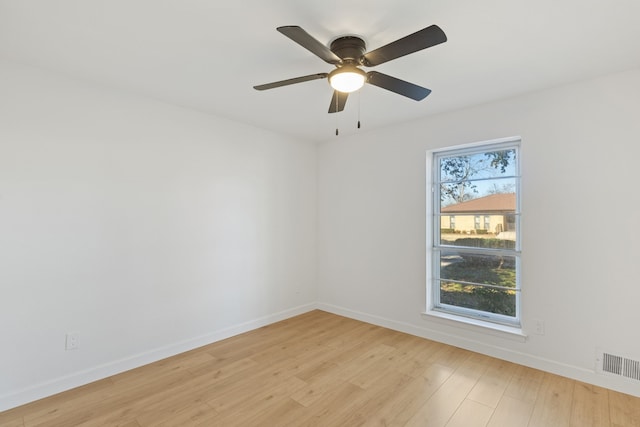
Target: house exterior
(491, 214)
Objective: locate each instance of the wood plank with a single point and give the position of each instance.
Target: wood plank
(441, 406)
(624, 410)
(400, 407)
(511, 412)
(471, 414)
(590, 406)
(553, 405)
(116, 405)
(329, 407)
(318, 386)
(253, 396)
(11, 422)
(525, 384)
(378, 392)
(278, 413)
(493, 383)
(100, 389)
(450, 356)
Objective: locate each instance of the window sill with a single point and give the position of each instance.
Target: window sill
(476, 325)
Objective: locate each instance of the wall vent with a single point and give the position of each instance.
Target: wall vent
(631, 369)
(618, 365)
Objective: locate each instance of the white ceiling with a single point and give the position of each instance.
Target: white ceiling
(207, 54)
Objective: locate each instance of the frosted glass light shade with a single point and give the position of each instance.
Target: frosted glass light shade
(347, 79)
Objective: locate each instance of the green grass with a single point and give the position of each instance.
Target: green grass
(499, 301)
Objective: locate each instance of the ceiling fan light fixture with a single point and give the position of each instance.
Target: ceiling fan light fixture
(347, 79)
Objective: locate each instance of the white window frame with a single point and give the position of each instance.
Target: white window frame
(460, 314)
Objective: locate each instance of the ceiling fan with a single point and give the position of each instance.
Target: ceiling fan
(348, 54)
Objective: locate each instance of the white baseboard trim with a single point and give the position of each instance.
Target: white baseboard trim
(532, 361)
(58, 385)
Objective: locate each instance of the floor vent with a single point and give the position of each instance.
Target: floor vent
(618, 365)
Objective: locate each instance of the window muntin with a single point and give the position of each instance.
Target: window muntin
(476, 256)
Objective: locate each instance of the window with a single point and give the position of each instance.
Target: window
(474, 269)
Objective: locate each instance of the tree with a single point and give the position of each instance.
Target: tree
(502, 189)
(458, 173)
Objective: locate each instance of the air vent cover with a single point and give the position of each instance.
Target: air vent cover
(631, 369)
(618, 365)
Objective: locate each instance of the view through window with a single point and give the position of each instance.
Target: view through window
(475, 252)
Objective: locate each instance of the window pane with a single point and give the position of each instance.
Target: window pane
(484, 196)
(478, 166)
(468, 194)
(495, 270)
(476, 297)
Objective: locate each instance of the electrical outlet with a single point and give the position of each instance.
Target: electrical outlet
(539, 325)
(72, 341)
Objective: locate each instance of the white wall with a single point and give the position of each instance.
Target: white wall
(147, 228)
(580, 224)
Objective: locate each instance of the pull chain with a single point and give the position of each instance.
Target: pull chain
(336, 113)
(359, 109)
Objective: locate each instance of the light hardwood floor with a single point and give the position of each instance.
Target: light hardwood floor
(319, 369)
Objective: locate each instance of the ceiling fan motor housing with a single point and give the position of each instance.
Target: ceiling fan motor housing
(350, 49)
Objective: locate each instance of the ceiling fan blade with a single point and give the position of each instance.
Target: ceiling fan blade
(291, 81)
(419, 40)
(337, 101)
(307, 41)
(398, 86)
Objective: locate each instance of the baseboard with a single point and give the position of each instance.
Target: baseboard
(96, 373)
(532, 361)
